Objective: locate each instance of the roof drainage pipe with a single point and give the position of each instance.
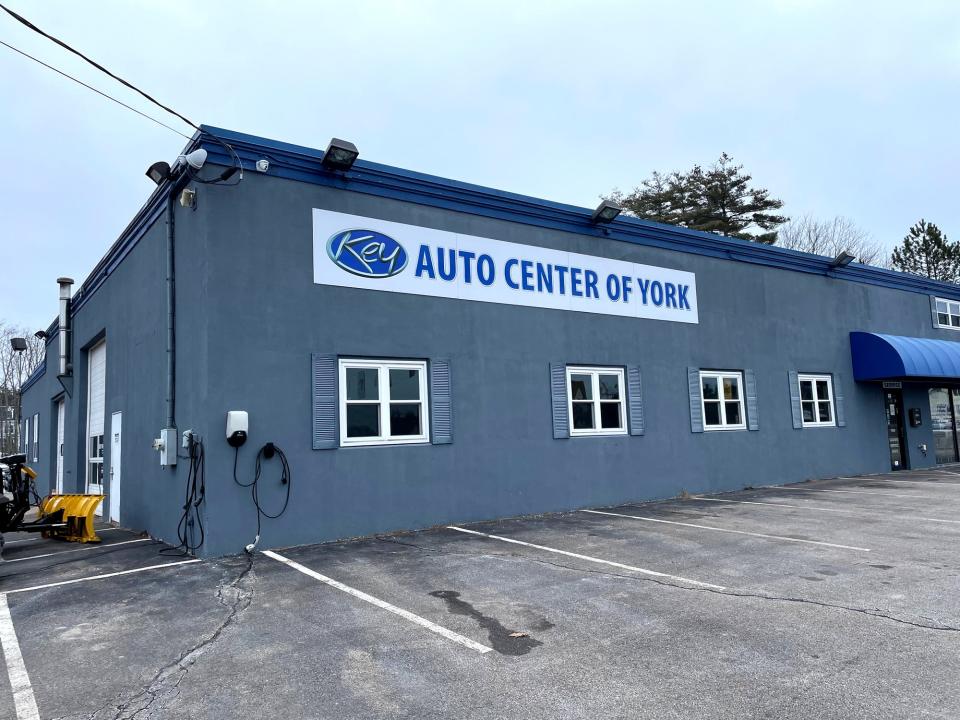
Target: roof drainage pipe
(171, 282)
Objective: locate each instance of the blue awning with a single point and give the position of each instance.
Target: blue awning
(886, 357)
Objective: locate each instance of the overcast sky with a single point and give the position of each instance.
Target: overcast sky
(839, 108)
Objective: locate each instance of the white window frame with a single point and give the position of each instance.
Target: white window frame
(720, 376)
(36, 437)
(813, 378)
(383, 368)
(595, 372)
(949, 306)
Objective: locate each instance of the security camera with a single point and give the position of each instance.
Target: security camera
(196, 159)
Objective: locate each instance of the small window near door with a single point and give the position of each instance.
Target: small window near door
(96, 460)
(948, 314)
(816, 401)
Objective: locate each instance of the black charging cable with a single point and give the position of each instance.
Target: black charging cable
(267, 452)
(195, 494)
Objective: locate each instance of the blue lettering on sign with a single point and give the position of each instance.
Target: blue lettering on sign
(367, 253)
(682, 297)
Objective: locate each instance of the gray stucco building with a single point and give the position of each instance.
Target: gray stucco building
(426, 351)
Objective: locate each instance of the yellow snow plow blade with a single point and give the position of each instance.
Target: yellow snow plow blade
(76, 511)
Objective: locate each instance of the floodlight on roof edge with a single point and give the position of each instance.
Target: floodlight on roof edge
(606, 212)
(158, 172)
(340, 155)
(842, 260)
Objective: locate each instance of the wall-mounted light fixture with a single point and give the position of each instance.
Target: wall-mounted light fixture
(340, 155)
(842, 260)
(606, 212)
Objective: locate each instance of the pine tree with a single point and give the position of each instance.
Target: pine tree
(926, 251)
(718, 199)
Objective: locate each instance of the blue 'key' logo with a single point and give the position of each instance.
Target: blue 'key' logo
(367, 253)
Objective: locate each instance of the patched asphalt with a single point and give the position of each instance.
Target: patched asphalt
(864, 625)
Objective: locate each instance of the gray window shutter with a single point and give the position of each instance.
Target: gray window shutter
(933, 311)
(795, 410)
(635, 400)
(558, 400)
(325, 411)
(753, 417)
(441, 402)
(838, 401)
(696, 406)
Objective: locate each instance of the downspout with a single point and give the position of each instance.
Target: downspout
(171, 398)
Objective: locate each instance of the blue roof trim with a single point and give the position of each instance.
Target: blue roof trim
(296, 162)
(36, 375)
(895, 357)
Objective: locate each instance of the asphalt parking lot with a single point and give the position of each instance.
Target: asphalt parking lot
(832, 599)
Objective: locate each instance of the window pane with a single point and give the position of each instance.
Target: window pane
(610, 415)
(825, 412)
(943, 318)
(731, 388)
(363, 420)
(710, 388)
(363, 384)
(405, 419)
(609, 387)
(955, 320)
(404, 384)
(583, 416)
(711, 413)
(809, 415)
(733, 413)
(941, 306)
(806, 390)
(822, 392)
(581, 387)
(954, 308)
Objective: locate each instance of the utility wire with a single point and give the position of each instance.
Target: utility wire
(24, 21)
(90, 87)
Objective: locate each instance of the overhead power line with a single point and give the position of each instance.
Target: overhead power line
(101, 68)
(90, 87)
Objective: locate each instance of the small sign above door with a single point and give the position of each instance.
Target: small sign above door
(892, 385)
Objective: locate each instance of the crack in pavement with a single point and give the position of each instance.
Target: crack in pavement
(870, 612)
(166, 682)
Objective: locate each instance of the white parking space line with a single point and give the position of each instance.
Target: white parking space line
(933, 481)
(406, 614)
(852, 492)
(588, 558)
(23, 700)
(86, 547)
(100, 577)
(822, 509)
(728, 530)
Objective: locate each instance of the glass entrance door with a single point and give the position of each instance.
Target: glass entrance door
(943, 421)
(893, 402)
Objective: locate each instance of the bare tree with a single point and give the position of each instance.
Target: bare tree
(15, 369)
(830, 238)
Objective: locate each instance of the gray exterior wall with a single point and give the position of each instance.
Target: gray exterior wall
(249, 317)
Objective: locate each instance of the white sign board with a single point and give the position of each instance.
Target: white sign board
(360, 252)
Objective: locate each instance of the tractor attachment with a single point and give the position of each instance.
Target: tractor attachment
(69, 517)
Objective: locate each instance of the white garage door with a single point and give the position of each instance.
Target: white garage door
(97, 380)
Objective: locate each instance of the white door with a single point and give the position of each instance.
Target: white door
(96, 397)
(61, 416)
(115, 430)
